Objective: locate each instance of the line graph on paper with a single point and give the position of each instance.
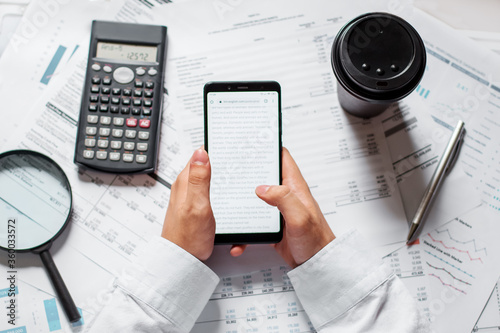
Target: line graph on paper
(453, 256)
(461, 249)
(463, 243)
(442, 269)
(448, 268)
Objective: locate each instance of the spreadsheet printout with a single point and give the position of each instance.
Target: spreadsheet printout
(99, 217)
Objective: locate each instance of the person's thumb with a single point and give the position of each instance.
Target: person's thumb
(288, 203)
(199, 175)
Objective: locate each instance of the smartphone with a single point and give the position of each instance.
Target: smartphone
(243, 141)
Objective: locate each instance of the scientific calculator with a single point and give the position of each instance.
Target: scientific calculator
(120, 115)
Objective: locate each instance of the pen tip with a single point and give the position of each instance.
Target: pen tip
(413, 229)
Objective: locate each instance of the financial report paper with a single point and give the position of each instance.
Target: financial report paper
(100, 225)
(52, 131)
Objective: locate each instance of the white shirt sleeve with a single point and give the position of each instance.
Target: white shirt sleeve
(164, 291)
(341, 288)
(345, 289)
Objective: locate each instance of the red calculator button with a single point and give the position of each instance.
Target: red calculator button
(132, 122)
(144, 123)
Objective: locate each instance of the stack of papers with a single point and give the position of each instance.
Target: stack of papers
(367, 174)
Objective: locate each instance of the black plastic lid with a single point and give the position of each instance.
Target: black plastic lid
(378, 57)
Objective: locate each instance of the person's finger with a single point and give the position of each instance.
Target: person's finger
(198, 183)
(237, 250)
(293, 210)
(292, 177)
(180, 182)
(179, 187)
(182, 178)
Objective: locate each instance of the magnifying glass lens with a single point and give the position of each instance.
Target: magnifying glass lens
(35, 193)
(35, 204)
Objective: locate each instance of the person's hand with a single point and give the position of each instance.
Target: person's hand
(189, 221)
(306, 230)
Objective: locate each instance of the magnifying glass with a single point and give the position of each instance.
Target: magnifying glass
(35, 206)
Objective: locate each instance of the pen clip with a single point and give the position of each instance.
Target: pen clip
(456, 152)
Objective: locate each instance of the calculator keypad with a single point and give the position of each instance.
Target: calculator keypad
(114, 156)
(118, 122)
(130, 134)
(88, 154)
(116, 144)
(101, 155)
(89, 142)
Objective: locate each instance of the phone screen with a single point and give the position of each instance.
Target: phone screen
(243, 141)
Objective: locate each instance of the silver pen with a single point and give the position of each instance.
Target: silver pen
(447, 161)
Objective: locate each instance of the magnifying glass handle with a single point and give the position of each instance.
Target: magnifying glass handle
(61, 290)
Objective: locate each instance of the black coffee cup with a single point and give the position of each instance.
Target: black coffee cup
(378, 59)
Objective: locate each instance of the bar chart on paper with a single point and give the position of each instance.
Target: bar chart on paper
(37, 311)
(51, 68)
(421, 91)
(53, 56)
(55, 61)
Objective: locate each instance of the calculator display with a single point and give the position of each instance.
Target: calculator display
(126, 52)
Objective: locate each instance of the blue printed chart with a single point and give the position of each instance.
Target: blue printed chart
(458, 86)
(36, 311)
(61, 56)
(422, 92)
(54, 62)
